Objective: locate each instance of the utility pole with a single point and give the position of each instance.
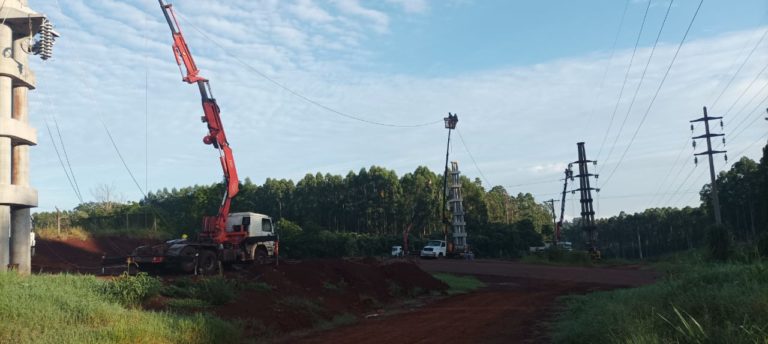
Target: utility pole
(450, 124)
(551, 203)
(559, 225)
(585, 190)
(709, 152)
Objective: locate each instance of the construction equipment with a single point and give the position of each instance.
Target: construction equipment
(225, 237)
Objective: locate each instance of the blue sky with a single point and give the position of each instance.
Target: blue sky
(528, 80)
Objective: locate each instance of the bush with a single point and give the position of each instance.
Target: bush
(215, 290)
(762, 245)
(132, 290)
(719, 242)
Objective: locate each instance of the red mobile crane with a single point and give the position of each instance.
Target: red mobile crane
(226, 237)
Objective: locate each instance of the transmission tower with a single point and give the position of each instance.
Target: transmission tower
(585, 191)
(455, 204)
(709, 152)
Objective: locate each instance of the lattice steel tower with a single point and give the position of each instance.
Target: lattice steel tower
(456, 206)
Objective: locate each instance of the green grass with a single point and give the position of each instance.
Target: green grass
(459, 284)
(187, 303)
(697, 303)
(75, 309)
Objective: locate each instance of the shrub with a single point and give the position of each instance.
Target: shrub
(762, 245)
(132, 290)
(215, 290)
(719, 242)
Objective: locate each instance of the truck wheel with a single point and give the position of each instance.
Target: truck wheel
(207, 262)
(261, 256)
(187, 256)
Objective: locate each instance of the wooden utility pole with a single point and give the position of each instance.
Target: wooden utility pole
(551, 203)
(709, 152)
(58, 221)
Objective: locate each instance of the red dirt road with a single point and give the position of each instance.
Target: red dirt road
(515, 307)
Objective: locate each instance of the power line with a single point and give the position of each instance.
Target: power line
(674, 165)
(608, 66)
(639, 84)
(117, 150)
(758, 109)
(296, 93)
(624, 83)
(61, 161)
(656, 94)
(473, 158)
(66, 156)
(740, 67)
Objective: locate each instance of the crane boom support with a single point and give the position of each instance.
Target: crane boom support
(214, 227)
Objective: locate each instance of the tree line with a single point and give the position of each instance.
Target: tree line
(372, 203)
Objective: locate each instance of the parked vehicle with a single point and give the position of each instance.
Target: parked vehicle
(397, 251)
(434, 249)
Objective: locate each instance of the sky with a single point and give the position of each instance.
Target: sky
(528, 80)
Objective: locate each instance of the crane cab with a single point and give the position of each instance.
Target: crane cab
(255, 224)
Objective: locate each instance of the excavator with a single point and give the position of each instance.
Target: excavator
(226, 237)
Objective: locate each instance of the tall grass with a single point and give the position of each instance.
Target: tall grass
(705, 303)
(76, 309)
(459, 284)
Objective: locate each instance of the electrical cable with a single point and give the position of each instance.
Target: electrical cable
(473, 158)
(61, 161)
(624, 83)
(640, 83)
(656, 94)
(66, 156)
(296, 93)
(740, 67)
(608, 66)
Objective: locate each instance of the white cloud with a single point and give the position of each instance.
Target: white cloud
(379, 20)
(308, 10)
(412, 6)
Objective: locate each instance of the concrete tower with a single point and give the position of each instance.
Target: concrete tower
(19, 26)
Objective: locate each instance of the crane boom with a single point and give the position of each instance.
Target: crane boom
(214, 227)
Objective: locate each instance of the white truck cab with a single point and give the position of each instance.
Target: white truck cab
(254, 223)
(397, 251)
(434, 249)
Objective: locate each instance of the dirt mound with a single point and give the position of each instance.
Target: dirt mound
(76, 255)
(314, 292)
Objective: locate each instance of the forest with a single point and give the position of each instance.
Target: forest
(363, 213)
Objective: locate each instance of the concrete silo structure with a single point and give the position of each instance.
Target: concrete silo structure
(22, 32)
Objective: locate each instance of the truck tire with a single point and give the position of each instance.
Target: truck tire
(207, 262)
(187, 256)
(262, 257)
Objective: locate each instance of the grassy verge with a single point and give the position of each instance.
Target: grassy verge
(459, 284)
(697, 303)
(83, 309)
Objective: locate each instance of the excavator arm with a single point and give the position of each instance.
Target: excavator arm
(214, 227)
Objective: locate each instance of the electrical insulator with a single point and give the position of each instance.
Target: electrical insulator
(723, 140)
(597, 176)
(691, 127)
(696, 160)
(726, 157)
(44, 46)
(694, 144)
(721, 124)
